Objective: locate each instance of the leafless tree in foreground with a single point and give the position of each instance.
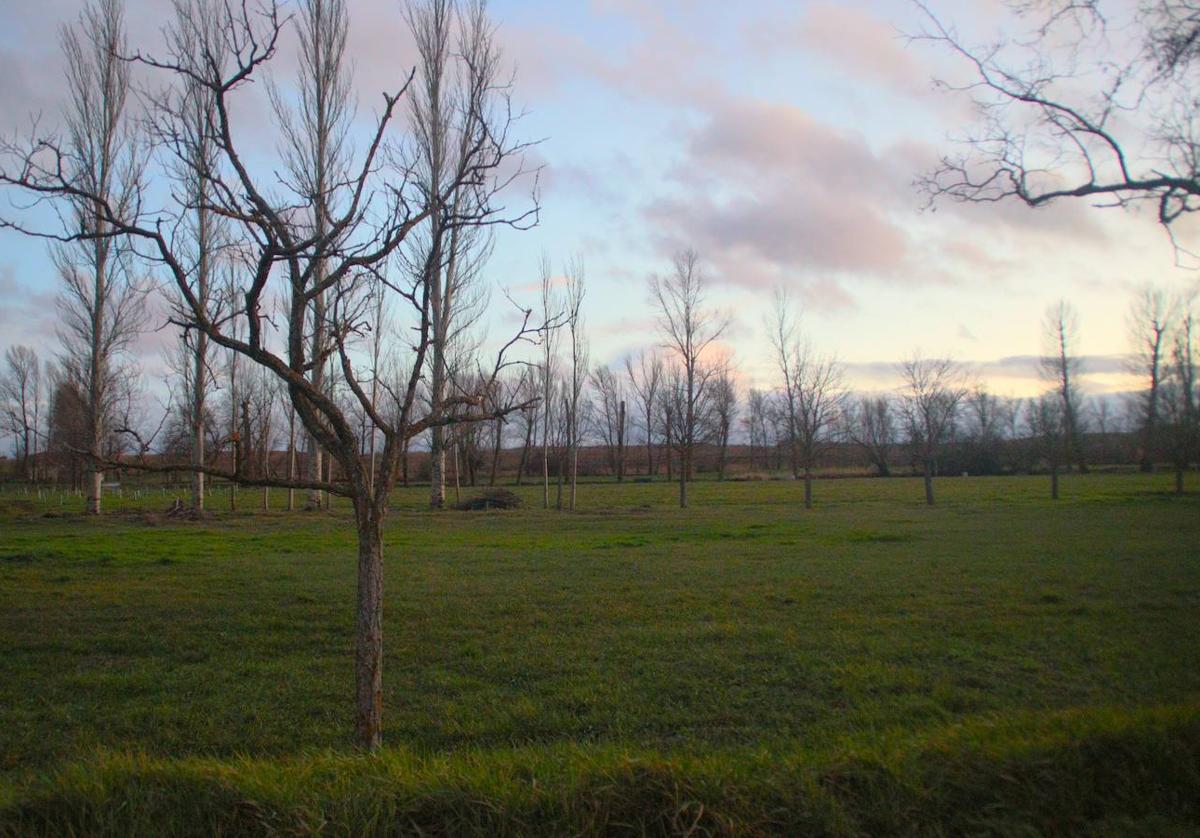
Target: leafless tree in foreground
(689, 328)
(1095, 101)
(1061, 368)
(372, 211)
(929, 399)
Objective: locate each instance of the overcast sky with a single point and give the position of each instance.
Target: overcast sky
(778, 139)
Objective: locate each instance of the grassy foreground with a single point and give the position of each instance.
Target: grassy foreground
(998, 665)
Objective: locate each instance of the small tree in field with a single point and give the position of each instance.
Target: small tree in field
(812, 392)
(645, 373)
(929, 401)
(1061, 368)
(1047, 431)
(689, 328)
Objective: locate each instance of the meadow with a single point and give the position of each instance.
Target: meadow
(997, 664)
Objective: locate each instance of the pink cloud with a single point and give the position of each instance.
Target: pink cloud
(862, 45)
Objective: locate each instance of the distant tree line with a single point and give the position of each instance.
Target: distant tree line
(629, 421)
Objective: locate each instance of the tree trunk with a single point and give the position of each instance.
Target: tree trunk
(722, 451)
(437, 469)
(404, 463)
(199, 384)
(496, 450)
(368, 645)
(525, 451)
(683, 498)
(667, 450)
(574, 470)
(562, 468)
(1054, 482)
(621, 443)
(546, 456)
(95, 482)
(929, 483)
(328, 496)
(291, 462)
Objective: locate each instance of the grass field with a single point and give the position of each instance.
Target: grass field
(998, 664)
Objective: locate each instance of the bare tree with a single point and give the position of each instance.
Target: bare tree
(379, 330)
(929, 401)
(812, 391)
(1047, 430)
(527, 393)
(316, 152)
(612, 420)
(1061, 367)
(1181, 399)
(101, 304)
(1086, 104)
(689, 328)
(789, 352)
(645, 374)
(448, 252)
(371, 213)
(499, 395)
(871, 426)
(986, 418)
(820, 405)
(21, 404)
(573, 315)
(551, 321)
(188, 136)
(755, 422)
(671, 396)
(723, 410)
(1149, 325)
(66, 428)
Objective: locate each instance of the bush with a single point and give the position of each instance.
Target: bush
(491, 499)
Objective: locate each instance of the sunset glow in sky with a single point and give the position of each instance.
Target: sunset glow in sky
(778, 139)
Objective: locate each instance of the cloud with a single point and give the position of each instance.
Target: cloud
(1097, 373)
(29, 315)
(768, 192)
(851, 39)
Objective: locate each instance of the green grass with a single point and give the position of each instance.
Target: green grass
(998, 664)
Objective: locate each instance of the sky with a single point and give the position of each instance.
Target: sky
(780, 140)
